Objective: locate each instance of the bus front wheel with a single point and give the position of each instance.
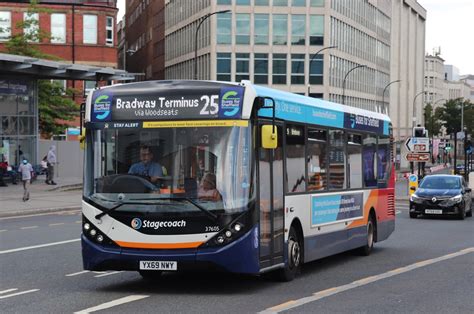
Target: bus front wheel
(294, 257)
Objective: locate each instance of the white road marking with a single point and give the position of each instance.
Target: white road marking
(108, 274)
(57, 224)
(3, 230)
(397, 212)
(78, 273)
(43, 214)
(17, 293)
(38, 246)
(110, 304)
(30, 227)
(8, 290)
(362, 282)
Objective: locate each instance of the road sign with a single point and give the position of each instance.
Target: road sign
(418, 157)
(418, 144)
(412, 181)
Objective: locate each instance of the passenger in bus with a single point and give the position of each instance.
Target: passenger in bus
(207, 188)
(147, 167)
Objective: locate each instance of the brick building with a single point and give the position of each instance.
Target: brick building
(144, 46)
(82, 32)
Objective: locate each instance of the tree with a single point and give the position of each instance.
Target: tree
(432, 122)
(450, 114)
(54, 102)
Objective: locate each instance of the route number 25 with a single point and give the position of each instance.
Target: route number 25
(211, 105)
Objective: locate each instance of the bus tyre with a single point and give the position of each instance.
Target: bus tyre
(367, 248)
(294, 257)
(150, 274)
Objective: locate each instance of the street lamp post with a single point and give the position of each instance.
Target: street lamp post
(414, 111)
(309, 68)
(205, 17)
(383, 94)
(344, 82)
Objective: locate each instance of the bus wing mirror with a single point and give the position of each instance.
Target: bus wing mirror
(269, 137)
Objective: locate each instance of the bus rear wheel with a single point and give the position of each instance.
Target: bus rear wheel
(295, 251)
(367, 248)
(150, 274)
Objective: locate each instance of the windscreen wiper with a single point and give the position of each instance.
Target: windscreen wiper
(117, 205)
(185, 199)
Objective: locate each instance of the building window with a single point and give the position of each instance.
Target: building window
(298, 3)
(31, 26)
(224, 28)
(298, 29)
(224, 1)
(224, 67)
(317, 3)
(242, 66)
(58, 28)
(280, 3)
(295, 158)
(242, 2)
(242, 29)
(316, 70)
(279, 68)
(280, 29)
(5, 25)
(297, 69)
(109, 31)
(316, 157)
(261, 2)
(316, 30)
(90, 29)
(261, 29)
(261, 68)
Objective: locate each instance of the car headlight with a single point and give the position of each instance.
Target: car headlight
(415, 199)
(456, 199)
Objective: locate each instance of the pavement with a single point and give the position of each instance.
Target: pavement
(66, 195)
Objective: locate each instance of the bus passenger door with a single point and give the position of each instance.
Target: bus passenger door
(270, 164)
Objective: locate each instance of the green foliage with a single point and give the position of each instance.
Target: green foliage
(55, 107)
(450, 114)
(432, 120)
(54, 102)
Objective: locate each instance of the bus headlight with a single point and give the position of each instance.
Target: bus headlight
(94, 234)
(232, 231)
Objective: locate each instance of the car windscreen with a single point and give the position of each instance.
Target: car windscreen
(440, 183)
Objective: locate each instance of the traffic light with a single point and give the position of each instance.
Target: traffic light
(447, 147)
(420, 131)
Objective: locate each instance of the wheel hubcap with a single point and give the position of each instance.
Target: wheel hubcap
(295, 251)
(370, 234)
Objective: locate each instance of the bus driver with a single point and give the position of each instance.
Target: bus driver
(147, 167)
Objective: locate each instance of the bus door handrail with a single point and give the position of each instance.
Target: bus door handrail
(269, 107)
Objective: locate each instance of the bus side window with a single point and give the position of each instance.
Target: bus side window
(317, 159)
(369, 158)
(295, 158)
(383, 161)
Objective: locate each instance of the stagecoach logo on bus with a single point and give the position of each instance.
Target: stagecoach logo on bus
(102, 107)
(137, 224)
(333, 208)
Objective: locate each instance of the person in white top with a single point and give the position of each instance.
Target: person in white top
(25, 169)
(51, 159)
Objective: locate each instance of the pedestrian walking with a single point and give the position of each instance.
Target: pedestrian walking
(25, 169)
(51, 159)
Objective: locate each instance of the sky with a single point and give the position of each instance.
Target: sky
(449, 25)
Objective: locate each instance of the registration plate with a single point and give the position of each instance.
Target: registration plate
(433, 211)
(158, 265)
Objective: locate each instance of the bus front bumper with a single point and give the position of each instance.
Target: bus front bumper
(239, 256)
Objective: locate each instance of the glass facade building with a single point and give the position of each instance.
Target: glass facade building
(278, 43)
(19, 120)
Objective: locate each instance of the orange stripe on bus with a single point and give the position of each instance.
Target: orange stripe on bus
(138, 245)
